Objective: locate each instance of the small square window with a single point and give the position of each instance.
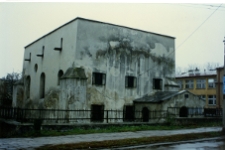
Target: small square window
(186, 96)
(212, 99)
(131, 82)
(98, 78)
(157, 84)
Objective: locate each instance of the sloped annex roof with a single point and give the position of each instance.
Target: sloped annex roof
(160, 96)
(96, 22)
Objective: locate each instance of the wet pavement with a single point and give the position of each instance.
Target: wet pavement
(32, 143)
(206, 144)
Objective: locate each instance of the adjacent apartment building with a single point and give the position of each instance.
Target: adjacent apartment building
(202, 83)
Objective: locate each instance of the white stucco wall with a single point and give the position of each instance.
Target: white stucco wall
(100, 47)
(53, 61)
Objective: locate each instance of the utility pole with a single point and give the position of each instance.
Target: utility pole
(224, 89)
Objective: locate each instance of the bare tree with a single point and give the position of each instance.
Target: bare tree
(211, 66)
(178, 70)
(6, 88)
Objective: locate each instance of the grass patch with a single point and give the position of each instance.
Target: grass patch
(131, 141)
(111, 129)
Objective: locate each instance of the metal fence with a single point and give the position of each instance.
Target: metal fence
(106, 116)
(194, 112)
(82, 116)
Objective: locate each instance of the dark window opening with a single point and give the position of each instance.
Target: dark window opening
(157, 84)
(131, 82)
(128, 113)
(42, 86)
(145, 114)
(97, 113)
(60, 74)
(183, 112)
(35, 67)
(98, 78)
(186, 96)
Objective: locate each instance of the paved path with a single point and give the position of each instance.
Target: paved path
(32, 143)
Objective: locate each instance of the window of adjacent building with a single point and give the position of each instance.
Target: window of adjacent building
(212, 99)
(42, 85)
(180, 83)
(211, 83)
(98, 78)
(60, 74)
(201, 83)
(157, 84)
(189, 84)
(131, 82)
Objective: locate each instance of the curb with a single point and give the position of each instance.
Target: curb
(167, 143)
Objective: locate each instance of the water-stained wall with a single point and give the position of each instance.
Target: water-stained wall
(118, 52)
(115, 54)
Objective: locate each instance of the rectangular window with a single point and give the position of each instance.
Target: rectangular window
(211, 83)
(180, 83)
(98, 78)
(189, 84)
(212, 99)
(157, 84)
(201, 83)
(130, 82)
(186, 96)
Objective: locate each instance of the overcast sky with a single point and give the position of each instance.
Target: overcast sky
(199, 29)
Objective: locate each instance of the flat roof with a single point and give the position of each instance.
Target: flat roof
(96, 22)
(198, 74)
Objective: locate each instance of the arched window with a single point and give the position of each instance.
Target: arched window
(145, 114)
(42, 86)
(60, 74)
(27, 86)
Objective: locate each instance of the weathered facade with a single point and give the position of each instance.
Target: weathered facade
(163, 100)
(87, 64)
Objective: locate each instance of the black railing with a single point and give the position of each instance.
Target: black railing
(210, 112)
(58, 115)
(106, 116)
(194, 112)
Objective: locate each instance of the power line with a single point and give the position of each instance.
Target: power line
(186, 38)
(207, 5)
(198, 27)
(203, 6)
